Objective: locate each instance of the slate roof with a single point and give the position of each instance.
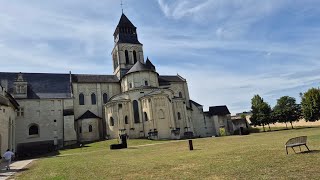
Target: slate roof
(165, 80)
(139, 66)
(87, 115)
(219, 110)
(126, 31)
(4, 101)
(125, 22)
(41, 85)
(86, 78)
(195, 103)
(150, 65)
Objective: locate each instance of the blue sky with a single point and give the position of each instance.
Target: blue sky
(228, 50)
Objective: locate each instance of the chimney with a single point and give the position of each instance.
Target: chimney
(4, 84)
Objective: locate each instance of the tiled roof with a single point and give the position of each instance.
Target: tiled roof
(219, 110)
(87, 115)
(41, 85)
(86, 78)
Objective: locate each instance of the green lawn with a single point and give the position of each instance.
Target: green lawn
(256, 156)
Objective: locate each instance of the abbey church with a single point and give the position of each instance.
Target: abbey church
(46, 110)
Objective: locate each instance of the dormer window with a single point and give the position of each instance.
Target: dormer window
(20, 87)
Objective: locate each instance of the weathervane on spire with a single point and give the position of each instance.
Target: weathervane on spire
(121, 6)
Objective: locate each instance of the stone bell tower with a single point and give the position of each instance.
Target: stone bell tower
(127, 48)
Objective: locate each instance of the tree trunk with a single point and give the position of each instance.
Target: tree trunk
(269, 127)
(263, 128)
(291, 124)
(286, 126)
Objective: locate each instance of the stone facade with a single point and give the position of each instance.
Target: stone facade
(8, 109)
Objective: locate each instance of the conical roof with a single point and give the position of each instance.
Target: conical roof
(149, 64)
(125, 22)
(138, 66)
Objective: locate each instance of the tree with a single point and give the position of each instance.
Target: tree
(310, 104)
(286, 110)
(261, 112)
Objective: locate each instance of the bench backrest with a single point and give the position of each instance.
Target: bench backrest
(301, 139)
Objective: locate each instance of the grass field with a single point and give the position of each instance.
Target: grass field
(256, 156)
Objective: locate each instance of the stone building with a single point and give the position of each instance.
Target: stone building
(8, 107)
(62, 109)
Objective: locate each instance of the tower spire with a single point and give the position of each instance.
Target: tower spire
(121, 6)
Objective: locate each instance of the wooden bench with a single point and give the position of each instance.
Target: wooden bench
(297, 141)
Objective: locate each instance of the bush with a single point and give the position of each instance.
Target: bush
(222, 132)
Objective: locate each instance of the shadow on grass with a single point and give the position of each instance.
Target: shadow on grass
(276, 129)
(310, 152)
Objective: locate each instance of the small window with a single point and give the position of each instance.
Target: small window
(90, 128)
(146, 83)
(80, 129)
(93, 99)
(81, 99)
(34, 130)
(134, 57)
(20, 112)
(111, 121)
(105, 98)
(130, 85)
(179, 116)
(180, 94)
(146, 116)
(126, 120)
(127, 56)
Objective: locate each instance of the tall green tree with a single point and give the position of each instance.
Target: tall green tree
(287, 110)
(261, 112)
(310, 103)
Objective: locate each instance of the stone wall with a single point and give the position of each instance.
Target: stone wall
(7, 130)
(47, 114)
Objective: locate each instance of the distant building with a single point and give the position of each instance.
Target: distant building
(62, 109)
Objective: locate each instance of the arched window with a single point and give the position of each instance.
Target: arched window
(126, 120)
(127, 56)
(134, 57)
(146, 116)
(180, 94)
(34, 130)
(81, 99)
(136, 111)
(93, 99)
(90, 128)
(146, 83)
(179, 116)
(105, 98)
(111, 121)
